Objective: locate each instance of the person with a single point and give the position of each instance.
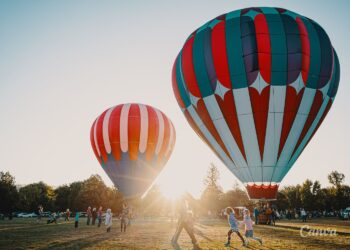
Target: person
(130, 216)
(233, 227)
(67, 215)
(268, 213)
(256, 215)
(76, 220)
(52, 218)
(289, 214)
(273, 217)
(248, 223)
(94, 215)
(99, 216)
(124, 217)
(108, 221)
(185, 221)
(303, 214)
(40, 212)
(88, 214)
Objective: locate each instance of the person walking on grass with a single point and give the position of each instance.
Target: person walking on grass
(248, 223)
(76, 220)
(88, 214)
(94, 215)
(40, 212)
(233, 223)
(256, 215)
(108, 221)
(67, 215)
(303, 214)
(124, 217)
(99, 216)
(185, 221)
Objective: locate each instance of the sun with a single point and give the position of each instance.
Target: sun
(171, 192)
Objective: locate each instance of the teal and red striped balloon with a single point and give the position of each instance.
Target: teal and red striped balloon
(255, 84)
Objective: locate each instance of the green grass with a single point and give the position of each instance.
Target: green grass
(211, 234)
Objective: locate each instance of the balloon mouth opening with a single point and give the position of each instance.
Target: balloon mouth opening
(262, 191)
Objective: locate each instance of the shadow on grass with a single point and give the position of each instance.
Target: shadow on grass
(201, 234)
(87, 241)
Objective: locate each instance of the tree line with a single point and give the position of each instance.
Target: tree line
(77, 196)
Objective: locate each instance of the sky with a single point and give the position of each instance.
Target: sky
(64, 62)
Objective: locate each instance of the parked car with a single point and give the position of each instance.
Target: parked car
(27, 215)
(45, 214)
(82, 214)
(345, 214)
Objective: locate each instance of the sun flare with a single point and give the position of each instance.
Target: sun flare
(171, 192)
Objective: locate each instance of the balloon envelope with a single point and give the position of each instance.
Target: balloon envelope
(255, 84)
(132, 142)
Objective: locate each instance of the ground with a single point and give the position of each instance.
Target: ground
(157, 233)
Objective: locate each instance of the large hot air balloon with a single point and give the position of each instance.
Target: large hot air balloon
(132, 142)
(255, 84)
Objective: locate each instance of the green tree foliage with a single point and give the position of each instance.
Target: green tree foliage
(33, 195)
(78, 196)
(8, 193)
(336, 178)
(235, 197)
(93, 192)
(312, 196)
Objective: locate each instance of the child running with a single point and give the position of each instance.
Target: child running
(249, 227)
(76, 220)
(233, 227)
(109, 218)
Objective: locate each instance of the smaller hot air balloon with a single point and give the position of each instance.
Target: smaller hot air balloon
(132, 142)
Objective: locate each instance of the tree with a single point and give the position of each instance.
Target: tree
(62, 201)
(33, 195)
(336, 178)
(235, 197)
(212, 193)
(339, 194)
(8, 193)
(94, 192)
(306, 195)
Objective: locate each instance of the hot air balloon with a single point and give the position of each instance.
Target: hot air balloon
(255, 84)
(132, 142)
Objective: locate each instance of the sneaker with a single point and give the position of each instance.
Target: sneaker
(227, 244)
(260, 240)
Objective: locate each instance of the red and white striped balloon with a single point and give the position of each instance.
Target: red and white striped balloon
(132, 142)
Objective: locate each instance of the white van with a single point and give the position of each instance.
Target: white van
(345, 214)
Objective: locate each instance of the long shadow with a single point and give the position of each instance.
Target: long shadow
(81, 242)
(200, 233)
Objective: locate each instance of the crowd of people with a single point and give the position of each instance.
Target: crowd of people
(92, 216)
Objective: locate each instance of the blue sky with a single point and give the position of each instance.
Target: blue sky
(64, 62)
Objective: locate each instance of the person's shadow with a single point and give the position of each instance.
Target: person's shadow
(201, 234)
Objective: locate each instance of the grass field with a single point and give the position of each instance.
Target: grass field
(156, 234)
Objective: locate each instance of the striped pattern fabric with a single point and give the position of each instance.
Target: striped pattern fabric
(255, 84)
(132, 142)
